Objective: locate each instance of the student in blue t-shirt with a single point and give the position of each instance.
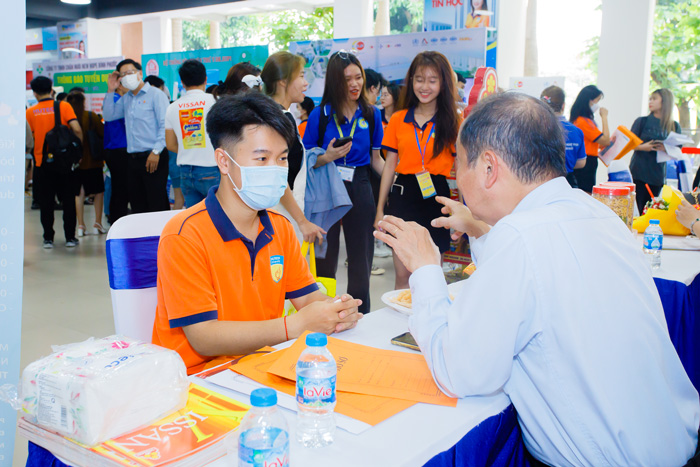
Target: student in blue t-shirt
(575, 150)
(345, 111)
(117, 158)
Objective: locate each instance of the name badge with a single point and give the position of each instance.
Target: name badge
(346, 173)
(426, 184)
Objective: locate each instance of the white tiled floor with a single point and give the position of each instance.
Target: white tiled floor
(66, 293)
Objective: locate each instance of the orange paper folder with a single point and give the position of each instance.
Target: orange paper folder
(369, 409)
(368, 370)
(625, 141)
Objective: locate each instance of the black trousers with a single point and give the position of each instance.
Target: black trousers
(147, 191)
(586, 176)
(118, 163)
(643, 195)
(48, 185)
(357, 228)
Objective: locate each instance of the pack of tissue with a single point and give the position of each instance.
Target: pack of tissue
(102, 388)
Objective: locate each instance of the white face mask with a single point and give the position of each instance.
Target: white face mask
(131, 81)
(595, 107)
(261, 187)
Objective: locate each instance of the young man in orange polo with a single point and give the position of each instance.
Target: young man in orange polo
(226, 265)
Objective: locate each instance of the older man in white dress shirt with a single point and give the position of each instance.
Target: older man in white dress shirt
(561, 314)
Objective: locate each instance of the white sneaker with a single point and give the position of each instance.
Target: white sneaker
(48, 244)
(377, 271)
(381, 249)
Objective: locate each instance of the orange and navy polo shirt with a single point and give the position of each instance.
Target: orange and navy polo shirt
(591, 134)
(208, 270)
(400, 137)
(41, 120)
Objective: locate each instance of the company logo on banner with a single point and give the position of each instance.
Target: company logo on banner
(89, 74)
(152, 68)
(466, 53)
(216, 61)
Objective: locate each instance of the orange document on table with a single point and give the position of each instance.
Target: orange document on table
(368, 370)
(369, 409)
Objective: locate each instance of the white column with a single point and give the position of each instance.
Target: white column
(381, 25)
(511, 40)
(103, 38)
(157, 36)
(531, 57)
(624, 60)
(352, 18)
(177, 34)
(214, 36)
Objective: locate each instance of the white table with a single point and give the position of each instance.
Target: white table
(410, 438)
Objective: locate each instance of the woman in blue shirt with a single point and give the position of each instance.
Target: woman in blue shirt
(345, 111)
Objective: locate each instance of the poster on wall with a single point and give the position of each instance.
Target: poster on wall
(72, 40)
(392, 55)
(89, 74)
(216, 61)
(443, 15)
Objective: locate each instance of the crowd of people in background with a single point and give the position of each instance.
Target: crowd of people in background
(393, 145)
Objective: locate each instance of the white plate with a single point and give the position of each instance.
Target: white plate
(453, 288)
(386, 298)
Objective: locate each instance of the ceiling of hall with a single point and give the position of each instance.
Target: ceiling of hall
(42, 13)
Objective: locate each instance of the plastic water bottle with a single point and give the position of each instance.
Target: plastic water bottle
(653, 243)
(264, 437)
(316, 373)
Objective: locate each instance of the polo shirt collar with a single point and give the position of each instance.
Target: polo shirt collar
(330, 112)
(46, 99)
(194, 91)
(144, 89)
(225, 227)
(411, 118)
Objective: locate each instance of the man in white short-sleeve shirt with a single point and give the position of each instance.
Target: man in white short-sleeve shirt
(186, 135)
(561, 314)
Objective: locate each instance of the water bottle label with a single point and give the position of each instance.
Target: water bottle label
(315, 392)
(276, 456)
(653, 242)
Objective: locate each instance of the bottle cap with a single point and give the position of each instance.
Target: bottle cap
(263, 397)
(611, 190)
(317, 339)
(654, 221)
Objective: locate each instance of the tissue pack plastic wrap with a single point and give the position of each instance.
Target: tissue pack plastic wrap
(102, 388)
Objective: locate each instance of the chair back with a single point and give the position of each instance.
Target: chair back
(132, 263)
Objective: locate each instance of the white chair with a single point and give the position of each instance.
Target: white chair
(132, 263)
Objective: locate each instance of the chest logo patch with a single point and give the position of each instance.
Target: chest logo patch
(277, 267)
(363, 124)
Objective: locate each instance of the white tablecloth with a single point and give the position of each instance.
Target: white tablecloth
(678, 265)
(409, 438)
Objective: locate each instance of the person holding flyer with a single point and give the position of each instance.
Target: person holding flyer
(185, 135)
(419, 144)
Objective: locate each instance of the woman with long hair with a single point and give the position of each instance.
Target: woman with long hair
(475, 19)
(420, 150)
(284, 82)
(652, 130)
(89, 177)
(586, 104)
(390, 101)
(237, 79)
(345, 114)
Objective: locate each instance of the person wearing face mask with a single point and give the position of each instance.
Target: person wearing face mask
(346, 114)
(283, 80)
(243, 260)
(143, 110)
(419, 144)
(587, 103)
(652, 130)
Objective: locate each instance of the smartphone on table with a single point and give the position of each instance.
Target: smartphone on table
(406, 340)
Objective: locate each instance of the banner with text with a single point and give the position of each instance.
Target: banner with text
(216, 61)
(443, 15)
(72, 40)
(89, 74)
(12, 145)
(392, 55)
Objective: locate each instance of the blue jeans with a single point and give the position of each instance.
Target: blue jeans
(173, 169)
(195, 182)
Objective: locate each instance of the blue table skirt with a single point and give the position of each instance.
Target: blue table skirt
(682, 309)
(40, 457)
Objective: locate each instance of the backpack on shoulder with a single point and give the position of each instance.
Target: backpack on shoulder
(62, 149)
